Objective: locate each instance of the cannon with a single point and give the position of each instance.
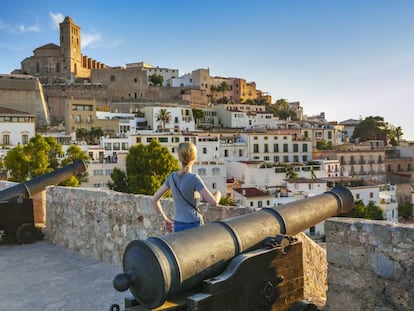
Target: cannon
(16, 204)
(253, 258)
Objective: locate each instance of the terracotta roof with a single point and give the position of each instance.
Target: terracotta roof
(4, 110)
(251, 192)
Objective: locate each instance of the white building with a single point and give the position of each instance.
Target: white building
(181, 118)
(127, 121)
(252, 197)
(244, 116)
(16, 128)
(166, 73)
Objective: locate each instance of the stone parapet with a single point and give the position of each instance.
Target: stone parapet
(370, 265)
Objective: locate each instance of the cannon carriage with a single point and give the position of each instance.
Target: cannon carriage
(249, 262)
(16, 202)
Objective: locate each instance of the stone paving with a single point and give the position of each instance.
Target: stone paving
(45, 277)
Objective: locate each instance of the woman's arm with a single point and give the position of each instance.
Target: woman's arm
(212, 199)
(168, 223)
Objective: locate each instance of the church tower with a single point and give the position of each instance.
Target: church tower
(70, 46)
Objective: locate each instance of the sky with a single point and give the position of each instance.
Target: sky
(350, 59)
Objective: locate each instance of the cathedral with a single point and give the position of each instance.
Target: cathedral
(53, 64)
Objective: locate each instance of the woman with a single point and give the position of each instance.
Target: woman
(183, 184)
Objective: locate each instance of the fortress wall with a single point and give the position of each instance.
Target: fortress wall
(24, 93)
(370, 265)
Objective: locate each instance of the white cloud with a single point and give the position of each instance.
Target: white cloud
(90, 39)
(57, 18)
(22, 28)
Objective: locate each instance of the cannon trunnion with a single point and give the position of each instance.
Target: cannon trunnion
(252, 258)
(16, 204)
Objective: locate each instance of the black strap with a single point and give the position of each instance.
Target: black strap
(189, 203)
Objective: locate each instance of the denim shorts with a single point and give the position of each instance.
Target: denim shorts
(180, 226)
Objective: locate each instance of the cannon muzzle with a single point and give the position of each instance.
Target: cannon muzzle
(28, 189)
(160, 267)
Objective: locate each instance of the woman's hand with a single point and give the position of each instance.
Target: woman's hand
(168, 224)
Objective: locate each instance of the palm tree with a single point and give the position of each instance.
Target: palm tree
(163, 116)
(223, 86)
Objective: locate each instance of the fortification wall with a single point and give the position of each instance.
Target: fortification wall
(371, 265)
(24, 93)
(58, 94)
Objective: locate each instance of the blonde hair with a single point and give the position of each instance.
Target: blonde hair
(187, 153)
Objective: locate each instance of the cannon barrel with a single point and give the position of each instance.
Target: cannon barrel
(28, 189)
(160, 267)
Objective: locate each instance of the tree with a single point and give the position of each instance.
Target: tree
(372, 128)
(120, 181)
(157, 79)
(405, 211)
(37, 158)
(371, 211)
(94, 134)
(82, 134)
(223, 87)
(198, 114)
(17, 163)
(147, 167)
(74, 153)
(281, 109)
(163, 116)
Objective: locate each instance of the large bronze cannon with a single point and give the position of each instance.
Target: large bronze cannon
(16, 205)
(211, 256)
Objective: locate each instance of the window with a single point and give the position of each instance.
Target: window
(260, 204)
(256, 148)
(124, 146)
(117, 146)
(295, 148)
(305, 147)
(112, 78)
(226, 153)
(276, 148)
(216, 171)
(285, 148)
(201, 171)
(286, 159)
(266, 148)
(25, 139)
(108, 146)
(138, 140)
(357, 196)
(6, 140)
(204, 150)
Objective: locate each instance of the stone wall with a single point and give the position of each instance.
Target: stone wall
(100, 224)
(370, 265)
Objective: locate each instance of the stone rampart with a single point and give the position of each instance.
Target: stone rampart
(370, 265)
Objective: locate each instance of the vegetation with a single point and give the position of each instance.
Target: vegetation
(147, 166)
(39, 157)
(198, 114)
(375, 128)
(405, 211)
(281, 109)
(371, 211)
(164, 117)
(157, 79)
(222, 87)
(227, 200)
(91, 136)
(324, 145)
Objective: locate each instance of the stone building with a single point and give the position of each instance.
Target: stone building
(52, 63)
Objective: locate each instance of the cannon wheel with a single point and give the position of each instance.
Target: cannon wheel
(26, 233)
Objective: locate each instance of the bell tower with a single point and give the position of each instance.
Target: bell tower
(70, 46)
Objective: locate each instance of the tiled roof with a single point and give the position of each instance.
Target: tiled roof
(251, 192)
(4, 110)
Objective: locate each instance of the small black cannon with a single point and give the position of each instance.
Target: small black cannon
(16, 204)
(249, 262)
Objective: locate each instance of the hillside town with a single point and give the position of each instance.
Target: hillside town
(244, 150)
